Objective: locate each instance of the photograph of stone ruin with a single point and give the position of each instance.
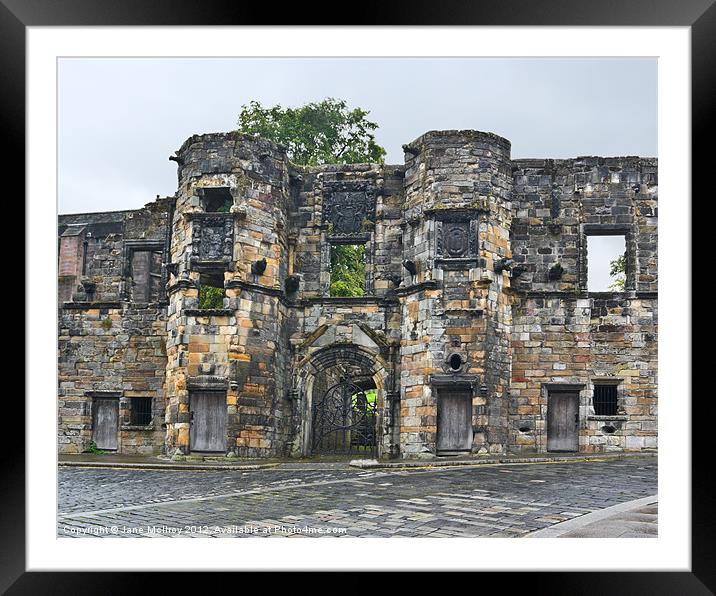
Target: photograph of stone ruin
(207, 322)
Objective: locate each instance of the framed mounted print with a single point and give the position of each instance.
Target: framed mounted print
(397, 286)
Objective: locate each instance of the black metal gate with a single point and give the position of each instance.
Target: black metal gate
(344, 421)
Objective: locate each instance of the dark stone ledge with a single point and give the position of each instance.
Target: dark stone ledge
(180, 285)
(583, 295)
(452, 380)
(208, 312)
(346, 300)
(90, 305)
(247, 285)
(431, 284)
(619, 417)
(212, 215)
(207, 382)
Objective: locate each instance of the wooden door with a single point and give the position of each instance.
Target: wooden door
(563, 421)
(454, 421)
(207, 430)
(105, 416)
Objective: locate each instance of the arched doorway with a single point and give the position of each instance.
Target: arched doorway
(344, 419)
(342, 389)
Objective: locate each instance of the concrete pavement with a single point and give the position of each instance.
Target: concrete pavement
(633, 519)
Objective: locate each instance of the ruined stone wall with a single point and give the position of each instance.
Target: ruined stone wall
(562, 333)
(476, 269)
(110, 347)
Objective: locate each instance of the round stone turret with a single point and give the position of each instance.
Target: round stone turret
(231, 205)
(228, 255)
(465, 169)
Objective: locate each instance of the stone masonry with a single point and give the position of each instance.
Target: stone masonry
(475, 293)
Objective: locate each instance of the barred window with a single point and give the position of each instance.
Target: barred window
(605, 400)
(141, 410)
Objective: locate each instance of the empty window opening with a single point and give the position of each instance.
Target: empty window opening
(217, 200)
(347, 270)
(605, 400)
(145, 275)
(606, 266)
(211, 290)
(141, 411)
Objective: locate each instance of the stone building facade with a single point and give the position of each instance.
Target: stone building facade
(476, 332)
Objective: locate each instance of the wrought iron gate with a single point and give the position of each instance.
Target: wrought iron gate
(344, 421)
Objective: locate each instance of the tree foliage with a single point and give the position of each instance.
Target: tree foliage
(325, 132)
(347, 270)
(211, 297)
(617, 271)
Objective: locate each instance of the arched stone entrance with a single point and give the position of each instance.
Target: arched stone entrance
(341, 389)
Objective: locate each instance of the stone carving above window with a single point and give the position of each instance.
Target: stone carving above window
(212, 238)
(456, 236)
(455, 239)
(349, 207)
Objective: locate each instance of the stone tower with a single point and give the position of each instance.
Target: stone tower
(228, 232)
(456, 296)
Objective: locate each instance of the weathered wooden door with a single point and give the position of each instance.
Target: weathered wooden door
(207, 429)
(563, 421)
(105, 416)
(454, 421)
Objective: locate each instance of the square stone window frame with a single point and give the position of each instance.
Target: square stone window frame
(587, 230)
(204, 193)
(128, 249)
(126, 407)
(618, 381)
(330, 240)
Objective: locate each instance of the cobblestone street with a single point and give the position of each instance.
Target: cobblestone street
(338, 501)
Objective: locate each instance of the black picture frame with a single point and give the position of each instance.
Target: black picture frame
(700, 15)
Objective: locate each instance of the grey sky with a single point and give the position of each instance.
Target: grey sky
(120, 119)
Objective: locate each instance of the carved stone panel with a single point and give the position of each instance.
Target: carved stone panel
(212, 242)
(348, 207)
(455, 239)
(212, 238)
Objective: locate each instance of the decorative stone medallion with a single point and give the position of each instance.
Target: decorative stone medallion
(456, 235)
(456, 239)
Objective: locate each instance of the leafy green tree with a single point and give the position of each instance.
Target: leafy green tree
(211, 297)
(325, 132)
(347, 270)
(617, 271)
